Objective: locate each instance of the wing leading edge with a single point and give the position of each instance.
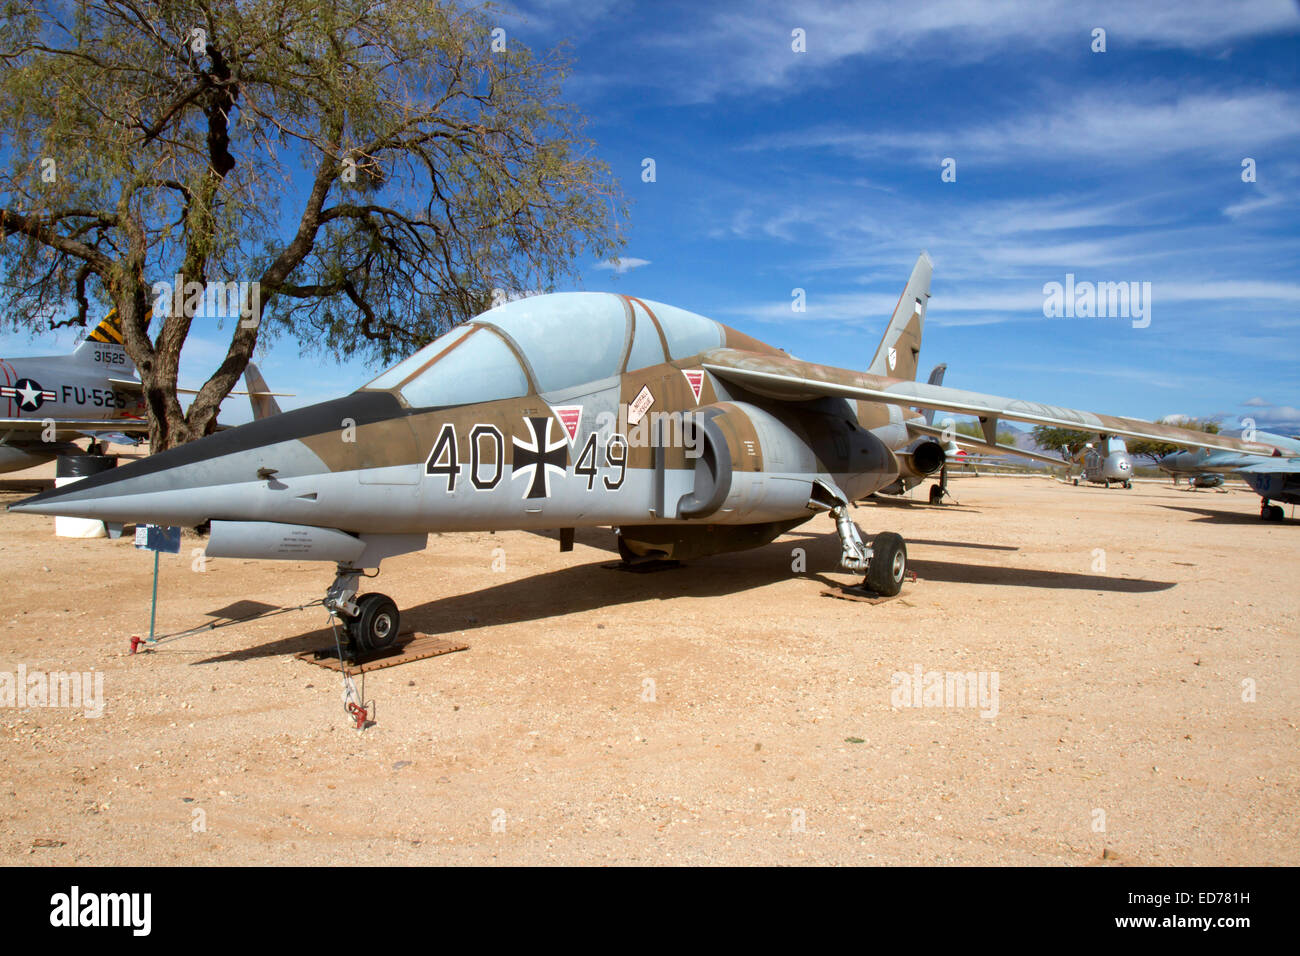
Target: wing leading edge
(789, 379)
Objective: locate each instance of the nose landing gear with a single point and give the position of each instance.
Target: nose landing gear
(371, 622)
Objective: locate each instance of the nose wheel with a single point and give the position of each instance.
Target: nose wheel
(371, 622)
(376, 624)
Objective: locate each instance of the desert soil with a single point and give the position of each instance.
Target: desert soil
(725, 712)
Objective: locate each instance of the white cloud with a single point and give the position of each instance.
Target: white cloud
(1115, 127)
(746, 47)
(622, 265)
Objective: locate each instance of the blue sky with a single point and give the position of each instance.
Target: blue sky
(820, 170)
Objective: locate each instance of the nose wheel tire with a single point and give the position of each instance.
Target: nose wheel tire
(888, 564)
(376, 625)
(1272, 513)
(936, 495)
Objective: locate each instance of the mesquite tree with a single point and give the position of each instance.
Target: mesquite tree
(358, 175)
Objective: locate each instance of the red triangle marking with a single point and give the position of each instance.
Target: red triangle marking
(570, 416)
(695, 378)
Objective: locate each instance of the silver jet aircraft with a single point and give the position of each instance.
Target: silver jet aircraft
(687, 437)
(50, 401)
(1274, 477)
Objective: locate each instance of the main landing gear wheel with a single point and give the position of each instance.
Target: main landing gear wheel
(1128, 483)
(1272, 513)
(888, 564)
(376, 624)
(936, 495)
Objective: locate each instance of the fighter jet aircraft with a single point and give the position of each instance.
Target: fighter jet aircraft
(573, 409)
(1274, 477)
(52, 400)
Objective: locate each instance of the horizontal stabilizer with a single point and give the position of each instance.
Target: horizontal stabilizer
(966, 441)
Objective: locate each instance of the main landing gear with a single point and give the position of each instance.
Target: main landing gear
(884, 563)
(940, 491)
(370, 621)
(1270, 512)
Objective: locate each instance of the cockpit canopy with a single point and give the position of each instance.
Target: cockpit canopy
(547, 343)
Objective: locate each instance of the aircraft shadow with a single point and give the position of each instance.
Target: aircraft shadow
(954, 573)
(603, 539)
(891, 501)
(1224, 517)
(596, 585)
(963, 544)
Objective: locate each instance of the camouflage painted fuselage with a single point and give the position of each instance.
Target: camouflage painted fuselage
(665, 443)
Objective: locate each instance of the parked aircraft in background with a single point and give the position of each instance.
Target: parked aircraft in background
(1104, 461)
(1274, 477)
(51, 401)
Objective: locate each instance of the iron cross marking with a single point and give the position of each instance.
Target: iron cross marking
(539, 457)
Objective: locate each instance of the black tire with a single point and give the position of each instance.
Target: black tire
(888, 564)
(1076, 482)
(377, 622)
(1128, 484)
(1272, 513)
(936, 495)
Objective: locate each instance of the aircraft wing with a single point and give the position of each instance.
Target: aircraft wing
(1276, 466)
(784, 378)
(72, 427)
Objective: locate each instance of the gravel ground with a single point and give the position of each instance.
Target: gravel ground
(725, 712)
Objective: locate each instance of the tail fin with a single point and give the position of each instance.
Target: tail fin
(259, 396)
(936, 378)
(103, 345)
(900, 349)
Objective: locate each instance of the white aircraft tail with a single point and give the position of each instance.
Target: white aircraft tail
(900, 348)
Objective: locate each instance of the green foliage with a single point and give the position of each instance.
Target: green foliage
(1055, 439)
(973, 430)
(1155, 450)
(381, 170)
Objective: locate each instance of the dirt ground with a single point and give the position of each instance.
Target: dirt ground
(724, 712)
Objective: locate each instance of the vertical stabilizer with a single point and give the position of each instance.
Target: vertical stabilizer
(103, 346)
(900, 348)
(936, 378)
(259, 396)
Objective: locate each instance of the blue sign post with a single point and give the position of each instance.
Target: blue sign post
(156, 538)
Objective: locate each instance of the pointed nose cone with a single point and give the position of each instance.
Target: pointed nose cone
(215, 477)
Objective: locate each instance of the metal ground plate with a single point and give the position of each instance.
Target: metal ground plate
(409, 646)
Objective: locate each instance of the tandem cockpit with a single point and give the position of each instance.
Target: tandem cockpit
(526, 347)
